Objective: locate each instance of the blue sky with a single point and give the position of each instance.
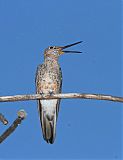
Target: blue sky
(86, 129)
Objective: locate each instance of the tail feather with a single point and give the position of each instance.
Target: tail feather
(48, 129)
(48, 124)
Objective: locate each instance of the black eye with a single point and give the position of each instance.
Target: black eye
(51, 47)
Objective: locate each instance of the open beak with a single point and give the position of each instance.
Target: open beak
(67, 46)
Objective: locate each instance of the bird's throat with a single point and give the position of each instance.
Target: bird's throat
(51, 62)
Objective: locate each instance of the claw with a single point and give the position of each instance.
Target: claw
(51, 93)
(41, 93)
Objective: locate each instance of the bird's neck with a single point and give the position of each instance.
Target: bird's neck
(51, 62)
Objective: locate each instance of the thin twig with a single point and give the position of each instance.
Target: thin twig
(21, 116)
(59, 96)
(3, 119)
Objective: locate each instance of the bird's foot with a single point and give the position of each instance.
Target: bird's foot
(41, 93)
(51, 93)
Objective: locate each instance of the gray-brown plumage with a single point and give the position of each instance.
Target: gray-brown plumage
(49, 81)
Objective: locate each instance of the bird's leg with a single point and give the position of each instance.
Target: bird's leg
(51, 92)
(41, 93)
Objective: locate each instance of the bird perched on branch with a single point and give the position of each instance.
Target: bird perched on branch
(49, 82)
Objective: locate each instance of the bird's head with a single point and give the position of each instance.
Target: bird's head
(56, 51)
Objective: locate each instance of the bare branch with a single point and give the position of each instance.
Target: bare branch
(21, 116)
(3, 119)
(59, 96)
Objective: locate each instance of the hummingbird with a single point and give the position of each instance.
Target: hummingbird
(49, 81)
